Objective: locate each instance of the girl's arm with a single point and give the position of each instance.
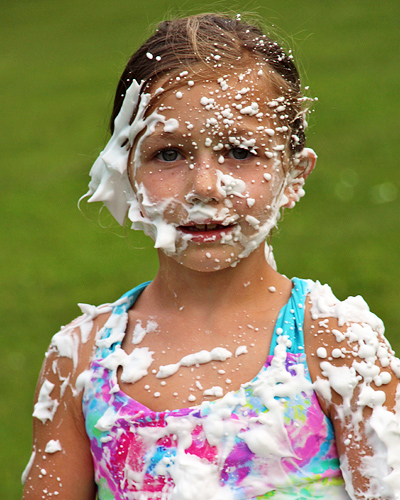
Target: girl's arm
(353, 369)
(61, 464)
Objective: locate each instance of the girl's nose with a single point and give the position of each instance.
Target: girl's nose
(204, 184)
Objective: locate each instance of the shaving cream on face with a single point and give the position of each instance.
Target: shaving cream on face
(110, 183)
(199, 208)
(165, 233)
(123, 194)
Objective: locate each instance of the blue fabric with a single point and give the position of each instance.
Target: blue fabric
(291, 318)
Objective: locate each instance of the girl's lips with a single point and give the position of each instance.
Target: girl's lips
(203, 233)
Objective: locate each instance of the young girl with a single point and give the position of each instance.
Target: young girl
(221, 379)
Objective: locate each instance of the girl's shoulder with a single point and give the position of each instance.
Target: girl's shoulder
(58, 423)
(346, 347)
(71, 350)
(341, 329)
(355, 375)
(324, 305)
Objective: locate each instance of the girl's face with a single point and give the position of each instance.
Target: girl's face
(210, 173)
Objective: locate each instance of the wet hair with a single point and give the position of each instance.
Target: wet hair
(191, 43)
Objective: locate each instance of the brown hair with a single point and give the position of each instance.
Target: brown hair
(187, 43)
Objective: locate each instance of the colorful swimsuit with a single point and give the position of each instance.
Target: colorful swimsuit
(269, 439)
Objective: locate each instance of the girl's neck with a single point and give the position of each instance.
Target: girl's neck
(247, 285)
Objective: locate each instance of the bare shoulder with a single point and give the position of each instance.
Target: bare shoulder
(61, 462)
(72, 348)
(356, 377)
(345, 341)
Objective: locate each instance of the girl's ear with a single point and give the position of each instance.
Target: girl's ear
(304, 162)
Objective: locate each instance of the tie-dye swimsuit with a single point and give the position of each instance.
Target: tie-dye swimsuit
(269, 439)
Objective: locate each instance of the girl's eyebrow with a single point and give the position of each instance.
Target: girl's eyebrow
(162, 135)
(241, 130)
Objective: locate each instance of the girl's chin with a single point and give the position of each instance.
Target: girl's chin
(206, 257)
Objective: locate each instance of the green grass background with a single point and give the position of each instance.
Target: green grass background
(59, 64)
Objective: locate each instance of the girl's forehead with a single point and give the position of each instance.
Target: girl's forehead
(241, 96)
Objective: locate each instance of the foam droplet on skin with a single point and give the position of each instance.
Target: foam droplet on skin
(242, 349)
(272, 289)
(117, 324)
(172, 124)
(321, 352)
(179, 95)
(337, 353)
(382, 379)
(139, 332)
(82, 381)
(134, 366)
(371, 397)
(250, 202)
(228, 185)
(66, 341)
(252, 221)
(45, 407)
(197, 358)
(28, 467)
(94, 311)
(53, 446)
(340, 336)
(267, 176)
(215, 391)
(201, 357)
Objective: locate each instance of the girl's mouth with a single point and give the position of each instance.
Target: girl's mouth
(204, 233)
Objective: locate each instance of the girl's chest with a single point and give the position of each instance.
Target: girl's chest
(187, 363)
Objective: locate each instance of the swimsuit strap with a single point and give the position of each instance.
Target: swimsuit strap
(113, 332)
(291, 318)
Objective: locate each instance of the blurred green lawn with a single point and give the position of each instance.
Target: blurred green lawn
(59, 63)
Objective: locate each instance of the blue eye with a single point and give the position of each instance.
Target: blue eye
(239, 153)
(168, 155)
